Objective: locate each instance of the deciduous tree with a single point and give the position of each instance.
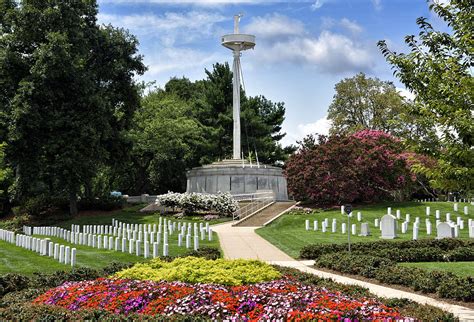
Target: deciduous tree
(438, 70)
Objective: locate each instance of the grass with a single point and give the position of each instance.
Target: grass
(458, 268)
(18, 260)
(288, 232)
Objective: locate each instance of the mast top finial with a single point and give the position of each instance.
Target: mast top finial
(236, 22)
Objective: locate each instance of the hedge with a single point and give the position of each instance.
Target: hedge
(445, 284)
(383, 246)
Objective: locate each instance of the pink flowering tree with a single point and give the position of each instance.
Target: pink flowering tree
(366, 166)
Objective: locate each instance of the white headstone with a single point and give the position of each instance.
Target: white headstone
(61, 253)
(427, 211)
(438, 214)
(196, 242)
(399, 214)
(364, 229)
(407, 217)
(404, 227)
(155, 250)
(138, 248)
(456, 231)
(388, 226)
(334, 226)
(315, 225)
(67, 254)
(188, 241)
(343, 227)
(342, 210)
(209, 237)
(376, 222)
(455, 206)
(415, 232)
(359, 216)
(354, 229)
(428, 227)
(73, 257)
(146, 249)
(466, 210)
(389, 210)
(448, 217)
(444, 230)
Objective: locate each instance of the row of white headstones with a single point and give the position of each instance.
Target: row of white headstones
(388, 225)
(45, 247)
(134, 238)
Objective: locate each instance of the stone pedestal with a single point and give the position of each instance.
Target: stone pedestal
(237, 177)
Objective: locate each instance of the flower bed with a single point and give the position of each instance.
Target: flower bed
(279, 299)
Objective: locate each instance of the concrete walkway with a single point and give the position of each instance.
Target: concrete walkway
(243, 242)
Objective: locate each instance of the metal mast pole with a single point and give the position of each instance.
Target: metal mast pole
(236, 103)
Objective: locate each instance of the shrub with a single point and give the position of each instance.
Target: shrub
(199, 270)
(399, 275)
(363, 167)
(363, 265)
(316, 250)
(460, 254)
(458, 288)
(222, 203)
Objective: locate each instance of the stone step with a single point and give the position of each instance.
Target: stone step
(266, 214)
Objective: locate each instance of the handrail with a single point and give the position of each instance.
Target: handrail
(262, 200)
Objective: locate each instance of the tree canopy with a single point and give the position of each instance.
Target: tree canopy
(438, 70)
(67, 95)
(366, 166)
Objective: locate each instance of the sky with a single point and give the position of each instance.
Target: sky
(303, 48)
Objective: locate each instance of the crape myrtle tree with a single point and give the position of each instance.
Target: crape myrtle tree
(366, 166)
(438, 69)
(67, 94)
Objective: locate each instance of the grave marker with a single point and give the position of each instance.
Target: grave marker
(388, 227)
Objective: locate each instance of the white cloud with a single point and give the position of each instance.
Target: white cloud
(284, 40)
(274, 25)
(329, 52)
(189, 24)
(352, 26)
(320, 126)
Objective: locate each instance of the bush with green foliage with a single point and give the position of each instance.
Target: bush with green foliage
(444, 284)
(200, 270)
(390, 248)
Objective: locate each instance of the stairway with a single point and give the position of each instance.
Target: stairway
(265, 214)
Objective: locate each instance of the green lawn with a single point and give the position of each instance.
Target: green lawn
(458, 268)
(18, 260)
(288, 232)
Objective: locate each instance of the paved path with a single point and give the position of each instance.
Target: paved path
(243, 242)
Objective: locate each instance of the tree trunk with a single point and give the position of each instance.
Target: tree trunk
(73, 204)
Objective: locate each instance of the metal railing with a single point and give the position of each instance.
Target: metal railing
(256, 201)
